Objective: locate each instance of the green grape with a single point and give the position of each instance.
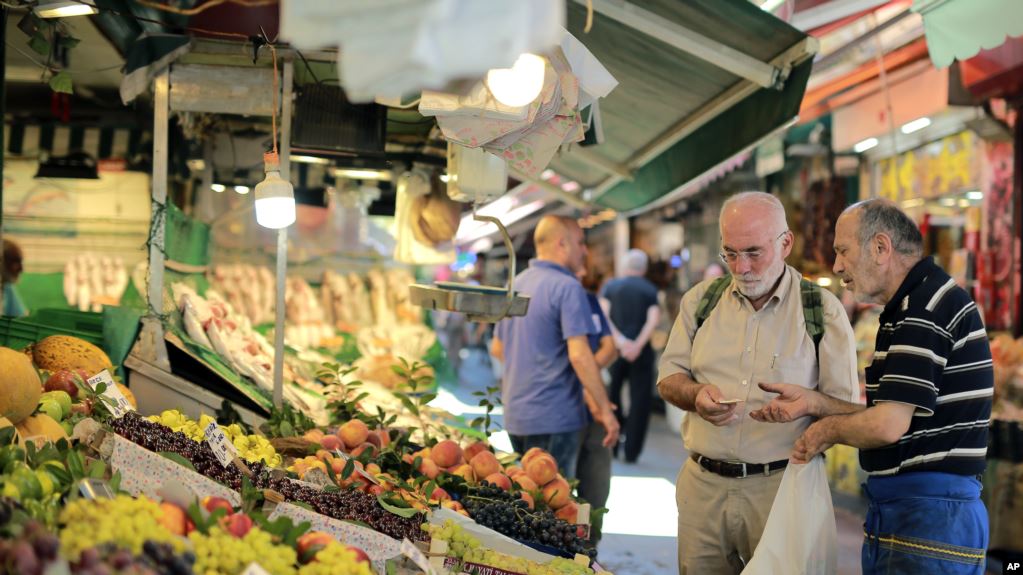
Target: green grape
(124, 521)
(336, 560)
(221, 553)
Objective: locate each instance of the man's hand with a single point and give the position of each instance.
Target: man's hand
(816, 439)
(708, 408)
(630, 350)
(610, 423)
(792, 403)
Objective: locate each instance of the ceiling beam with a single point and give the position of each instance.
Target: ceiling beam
(594, 160)
(690, 41)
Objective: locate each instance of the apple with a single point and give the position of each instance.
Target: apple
(360, 555)
(312, 539)
(237, 524)
(63, 380)
(213, 503)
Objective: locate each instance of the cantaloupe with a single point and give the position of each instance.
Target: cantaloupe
(58, 352)
(40, 428)
(20, 386)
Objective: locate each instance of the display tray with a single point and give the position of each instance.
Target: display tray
(481, 303)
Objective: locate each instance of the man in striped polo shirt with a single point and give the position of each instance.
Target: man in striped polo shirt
(923, 433)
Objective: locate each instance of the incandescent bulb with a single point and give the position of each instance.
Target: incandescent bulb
(520, 84)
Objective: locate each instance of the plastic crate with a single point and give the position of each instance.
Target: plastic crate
(17, 333)
(69, 319)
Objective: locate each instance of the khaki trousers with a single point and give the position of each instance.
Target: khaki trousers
(720, 519)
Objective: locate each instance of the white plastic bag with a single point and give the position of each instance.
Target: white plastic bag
(800, 536)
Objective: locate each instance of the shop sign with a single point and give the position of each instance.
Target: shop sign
(770, 157)
(946, 166)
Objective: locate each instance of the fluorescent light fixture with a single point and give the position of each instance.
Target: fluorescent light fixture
(362, 174)
(864, 145)
(241, 189)
(275, 197)
(219, 188)
(975, 195)
(915, 125)
(309, 160)
(520, 84)
(64, 8)
(949, 202)
(771, 5)
(824, 281)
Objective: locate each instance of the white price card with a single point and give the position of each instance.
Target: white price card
(409, 549)
(117, 404)
(255, 569)
(358, 470)
(220, 444)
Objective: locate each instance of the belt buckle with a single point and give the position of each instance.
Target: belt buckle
(744, 473)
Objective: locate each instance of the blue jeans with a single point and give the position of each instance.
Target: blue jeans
(563, 446)
(924, 522)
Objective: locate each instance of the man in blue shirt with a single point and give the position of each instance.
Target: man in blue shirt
(9, 273)
(547, 354)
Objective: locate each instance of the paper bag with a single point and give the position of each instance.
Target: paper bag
(800, 537)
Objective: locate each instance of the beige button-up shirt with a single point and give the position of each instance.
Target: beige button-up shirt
(738, 347)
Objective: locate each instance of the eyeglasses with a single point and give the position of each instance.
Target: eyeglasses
(751, 255)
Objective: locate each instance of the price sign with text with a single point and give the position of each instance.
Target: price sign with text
(115, 401)
(220, 444)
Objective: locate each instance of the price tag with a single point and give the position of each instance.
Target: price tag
(255, 569)
(358, 470)
(409, 549)
(117, 404)
(220, 444)
(95, 489)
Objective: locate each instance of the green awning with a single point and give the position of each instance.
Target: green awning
(959, 29)
(699, 81)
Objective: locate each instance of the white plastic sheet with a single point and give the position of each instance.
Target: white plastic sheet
(800, 537)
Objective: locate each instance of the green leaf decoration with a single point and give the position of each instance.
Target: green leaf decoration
(405, 512)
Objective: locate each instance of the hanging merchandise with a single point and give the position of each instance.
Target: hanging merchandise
(393, 47)
(413, 234)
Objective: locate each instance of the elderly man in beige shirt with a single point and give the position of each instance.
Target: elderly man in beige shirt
(755, 333)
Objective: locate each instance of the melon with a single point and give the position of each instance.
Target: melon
(20, 386)
(58, 352)
(41, 428)
(128, 395)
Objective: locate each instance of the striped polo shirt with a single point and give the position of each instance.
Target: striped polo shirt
(932, 352)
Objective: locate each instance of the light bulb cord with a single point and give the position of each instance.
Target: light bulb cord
(273, 111)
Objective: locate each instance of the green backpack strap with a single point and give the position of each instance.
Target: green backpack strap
(813, 311)
(710, 298)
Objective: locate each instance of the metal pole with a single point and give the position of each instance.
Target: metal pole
(3, 126)
(153, 346)
(282, 236)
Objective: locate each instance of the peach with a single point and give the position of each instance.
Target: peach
(557, 493)
(337, 466)
(440, 494)
(313, 539)
(330, 443)
(314, 435)
(429, 468)
(501, 480)
(173, 518)
(513, 470)
(384, 436)
(542, 469)
(528, 499)
(465, 472)
(364, 447)
(374, 438)
(354, 433)
(452, 505)
(373, 469)
(484, 463)
(376, 490)
(446, 453)
(212, 503)
(238, 524)
(324, 455)
(360, 555)
(525, 483)
(473, 449)
(569, 512)
(530, 454)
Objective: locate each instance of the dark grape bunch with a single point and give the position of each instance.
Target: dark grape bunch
(506, 513)
(344, 505)
(36, 549)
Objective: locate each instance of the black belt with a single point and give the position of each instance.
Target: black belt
(738, 470)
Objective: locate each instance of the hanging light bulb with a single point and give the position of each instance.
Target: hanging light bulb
(275, 197)
(520, 84)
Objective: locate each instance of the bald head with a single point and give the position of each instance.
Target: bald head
(748, 207)
(560, 239)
